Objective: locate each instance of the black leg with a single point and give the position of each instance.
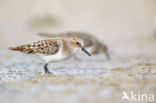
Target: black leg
(46, 69)
(107, 55)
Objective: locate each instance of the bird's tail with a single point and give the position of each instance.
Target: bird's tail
(16, 48)
(104, 49)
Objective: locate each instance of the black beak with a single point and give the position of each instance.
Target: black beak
(83, 49)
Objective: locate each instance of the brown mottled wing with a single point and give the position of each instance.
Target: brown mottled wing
(47, 47)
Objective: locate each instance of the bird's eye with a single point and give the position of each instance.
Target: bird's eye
(77, 43)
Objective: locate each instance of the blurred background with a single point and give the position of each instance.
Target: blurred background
(118, 23)
(127, 27)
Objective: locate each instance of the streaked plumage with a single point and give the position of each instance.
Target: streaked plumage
(47, 47)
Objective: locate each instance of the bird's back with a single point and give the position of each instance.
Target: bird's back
(87, 38)
(46, 47)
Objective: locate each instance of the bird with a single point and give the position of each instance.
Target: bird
(91, 44)
(53, 50)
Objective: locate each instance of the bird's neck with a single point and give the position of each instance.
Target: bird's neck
(65, 47)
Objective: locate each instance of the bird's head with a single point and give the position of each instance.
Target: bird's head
(78, 45)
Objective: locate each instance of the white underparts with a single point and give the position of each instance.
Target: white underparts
(59, 56)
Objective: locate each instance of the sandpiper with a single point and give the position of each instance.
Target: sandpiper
(53, 50)
(91, 44)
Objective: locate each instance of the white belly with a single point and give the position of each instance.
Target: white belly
(56, 57)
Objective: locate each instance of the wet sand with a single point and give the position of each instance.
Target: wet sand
(127, 27)
(91, 80)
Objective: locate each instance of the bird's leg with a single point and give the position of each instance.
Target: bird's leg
(107, 55)
(46, 69)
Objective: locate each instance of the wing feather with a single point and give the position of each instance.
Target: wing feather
(47, 47)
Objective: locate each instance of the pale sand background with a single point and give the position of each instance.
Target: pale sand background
(128, 27)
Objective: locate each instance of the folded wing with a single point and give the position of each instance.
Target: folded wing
(46, 47)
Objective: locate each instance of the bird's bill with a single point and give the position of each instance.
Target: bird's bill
(83, 49)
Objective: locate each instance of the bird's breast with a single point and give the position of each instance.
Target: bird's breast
(60, 56)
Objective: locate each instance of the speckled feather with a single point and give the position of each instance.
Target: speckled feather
(46, 47)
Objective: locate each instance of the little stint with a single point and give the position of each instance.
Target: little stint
(53, 50)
